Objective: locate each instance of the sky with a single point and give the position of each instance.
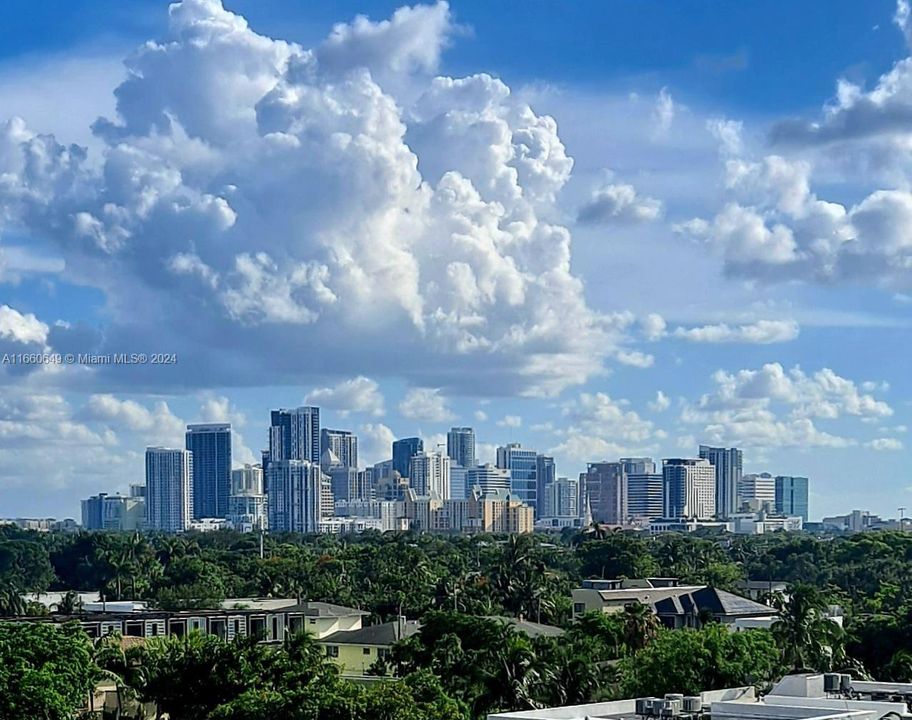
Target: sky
(600, 229)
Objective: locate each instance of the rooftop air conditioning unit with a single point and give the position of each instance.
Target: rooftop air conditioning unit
(845, 683)
(832, 683)
(644, 706)
(693, 705)
(667, 708)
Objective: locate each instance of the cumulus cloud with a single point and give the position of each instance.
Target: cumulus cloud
(510, 421)
(762, 332)
(358, 394)
(618, 203)
(595, 426)
(774, 407)
(884, 444)
(158, 425)
(653, 327)
(480, 415)
(661, 403)
(425, 404)
(298, 198)
(375, 443)
(23, 329)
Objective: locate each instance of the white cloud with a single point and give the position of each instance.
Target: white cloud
(618, 203)
(634, 358)
(425, 404)
(661, 403)
(664, 113)
(375, 443)
(297, 200)
(762, 332)
(596, 427)
(653, 327)
(219, 409)
(24, 329)
(358, 394)
(158, 426)
(510, 421)
(884, 444)
(771, 407)
(480, 415)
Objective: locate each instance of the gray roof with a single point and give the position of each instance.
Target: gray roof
(384, 634)
(530, 629)
(322, 609)
(714, 601)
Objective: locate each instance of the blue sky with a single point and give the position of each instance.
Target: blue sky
(706, 244)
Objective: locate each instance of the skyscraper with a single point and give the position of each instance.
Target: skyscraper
(297, 496)
(545, 477)
(690, 488)
(294, 434)
(645, 495)
(210, 444)
(461, 446)
(638, 465)
(342, 443)
(430, 472)
(727, 462)
(563, 496)
(403, 450)
(606, 489)
(757, 491)
(488, 479)
(169, 489)
(792, 495)
(247, 501)
(523, 467)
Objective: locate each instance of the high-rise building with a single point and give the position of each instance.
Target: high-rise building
(545, 477)
(606, 489)
(247, 501)
(297, 498)
(458, 487)
(342, 443)
(690, 488)
(488, 479)
(562, 498)
(757, 491)
(727, 462)
(792, 495)
(210, 444)
(403, 450)
(294, 434)
(169, 489)
(346, 483)
(645, 495)
(461, 446)
(638, 466)
(430, 473)
(113, 512)
(523, 467)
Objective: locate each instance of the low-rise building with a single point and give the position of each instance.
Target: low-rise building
(796, 697)
(675, 606)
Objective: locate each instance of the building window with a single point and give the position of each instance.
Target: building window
(579, 608)
(312, 621)
(332, 651)
(366, 651)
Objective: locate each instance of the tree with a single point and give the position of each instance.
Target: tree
(46, 670)
(809, 640)
(640, 625)
(690, 661)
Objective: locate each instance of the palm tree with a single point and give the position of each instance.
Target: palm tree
(809, 640)
(69, 604)
(640, 626)
(12, 603)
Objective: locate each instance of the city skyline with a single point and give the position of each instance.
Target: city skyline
(636, 291)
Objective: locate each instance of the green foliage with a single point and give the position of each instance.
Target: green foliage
(689, 661)
(46, 671)
(809, 640)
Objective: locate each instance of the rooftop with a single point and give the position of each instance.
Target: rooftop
(795, 697)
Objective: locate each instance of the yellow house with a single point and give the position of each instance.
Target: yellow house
(354, 651)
